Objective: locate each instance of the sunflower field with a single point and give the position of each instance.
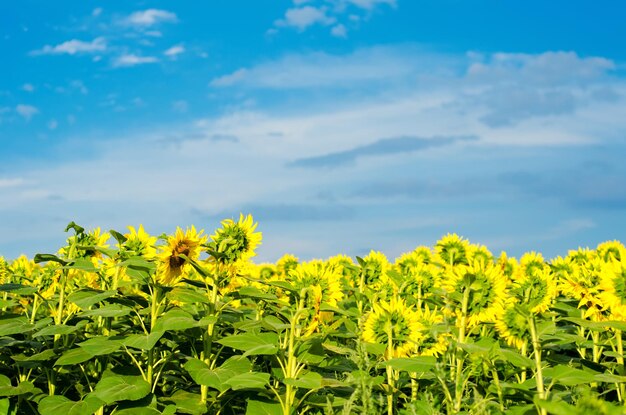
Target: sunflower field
(186, 323)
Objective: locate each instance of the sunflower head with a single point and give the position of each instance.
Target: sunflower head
(611, 251)
(512, 325)
(139, 243)
(171, 263)
(434, 338)
(451, 250)
(535, 283)
(507, 265)
(374, 268)
(265, 271)
(613, 288)
(580, 256)
(235, 241)
(394, 325)
(286, 263)
(480, 255)
(84, 244)
(344, 266)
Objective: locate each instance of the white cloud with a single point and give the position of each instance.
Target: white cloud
(26, 111)
(180, 106)
(4, 182)
(132, 60)
(303, 17)
(53, 124)
(174, 51)
(96, 12)
(80, 86)
(370, 4)
(339, 31)
(150, 17)
(73, 47)
(28, 87)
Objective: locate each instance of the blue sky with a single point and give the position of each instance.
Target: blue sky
(341, 125)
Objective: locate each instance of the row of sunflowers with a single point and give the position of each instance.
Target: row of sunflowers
(186, 323)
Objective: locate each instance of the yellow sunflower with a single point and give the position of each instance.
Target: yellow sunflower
(434, 339)
(479, 254)
(452, 250)
(611, 251)
(534, 283)
(419, 278)
(374, 270)
(170, 264)
(286, 263)
(487, 294)
(394, 325)
(613, 288)
(140, 243)
(235, 241)
(512, 325)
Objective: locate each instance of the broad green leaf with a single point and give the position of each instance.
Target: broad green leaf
(253, 292)
(187, 402)
(514, 358)
(85, 298)
(82, 264)
(412, 364)
(250, 380)
(55, 329)
(609, 378)
(109, 310)
(263, 408)
(21, 389)
(38, 258)
(18, 289)
(113, 388)
(555, 407)
(38, 357)
(101, 345)
(217, 378)
(14, 324)
(174, 320)
(60, 405)
(142, 410)
(143, 341)
(252, 344)
(568, 376)
(309, 380)
(73, 357)
(187, 295)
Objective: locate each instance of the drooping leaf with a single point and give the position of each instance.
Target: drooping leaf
(60, 405)
(114, 388)
(252, 343)
(87, 297)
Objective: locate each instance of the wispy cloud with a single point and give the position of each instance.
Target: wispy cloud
(339, 31)
(150, 17)
(303, 17)
(127, 60)
(26, 111)
(73, 47)
(370, 4)
(174, 51)
(28, 87)
(382, 147)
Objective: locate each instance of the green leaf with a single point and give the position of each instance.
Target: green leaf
(109, 310)
(251, 380)
(174, 320)
(143, 341)
(55, 329)
(217, 378)
(263, 408)
(253, 292)
(48, 258)
(85, 298)
(60, 405)
(556, 407)
(187, 295)
(418, 364)
(13, 324)
(514, 358)
(43, 356)
(21, 389)
(113, 388)
(309, 380)
(187, 402)
(252, 344)
(101, 345)
(73, 357)
(609, 378)
(568, 376)
(82, 264)
(138, 410)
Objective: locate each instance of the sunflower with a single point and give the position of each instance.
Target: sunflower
(86, 245)
(479, 254)
(487, 288)
(345, 267)
(433, 339)
(321, 284)
(235, 241)
(374, 269)
(512, 325)
(452, 250)
(613, 288)
(394, 325)
(581, 256)
(286, 263)
(170, 264)
(611, 251)
(508, 265)
(139, 243)
(534, 282)
(419, 278)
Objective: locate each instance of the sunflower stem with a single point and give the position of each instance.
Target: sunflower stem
(620, 362)
(537, 354)
(390, 374)
(458, 388)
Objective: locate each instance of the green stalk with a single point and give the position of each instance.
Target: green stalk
(154, 313)
(390, 374)
(291, 368)
(460, 360)
(537, 353)
(620, 362)
(207, 337)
